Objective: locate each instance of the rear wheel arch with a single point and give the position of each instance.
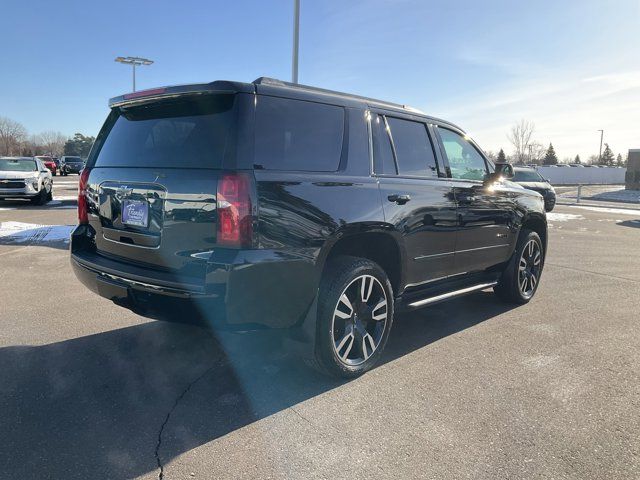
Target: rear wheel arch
(380, 247)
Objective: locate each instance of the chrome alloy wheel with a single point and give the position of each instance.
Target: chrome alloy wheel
(359, 320)
(529, 268)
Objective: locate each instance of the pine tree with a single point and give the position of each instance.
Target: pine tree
(550, 157)
(577, 160)
(502, 158)
(607, 156)
(619, 160)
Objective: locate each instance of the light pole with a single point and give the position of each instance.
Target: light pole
(134, 62)
(600, 154)
(296, 40)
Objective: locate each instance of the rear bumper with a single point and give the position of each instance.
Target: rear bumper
(240, 289)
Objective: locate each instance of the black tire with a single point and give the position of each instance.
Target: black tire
(369, 287)
(41, 198)
(510, 287)
(50, 194)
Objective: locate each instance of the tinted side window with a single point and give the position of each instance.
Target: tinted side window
(464, 160)
(382, 152)
(414, 154)
(298, 135)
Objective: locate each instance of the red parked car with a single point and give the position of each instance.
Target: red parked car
(49, 163)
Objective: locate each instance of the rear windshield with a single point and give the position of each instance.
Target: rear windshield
(527, 176)
(182, 133)
(21, 165)
(73, 159)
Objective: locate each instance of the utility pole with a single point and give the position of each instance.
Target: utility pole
(600, 154)
(296, 40)
(134, 61)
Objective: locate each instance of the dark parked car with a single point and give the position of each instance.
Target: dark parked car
(268, 204)
(69, 164)
(530, 178)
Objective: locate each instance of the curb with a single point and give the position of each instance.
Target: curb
(621, 205)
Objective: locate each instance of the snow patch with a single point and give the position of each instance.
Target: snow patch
(621, 211)
(34, 234)
(563, 217)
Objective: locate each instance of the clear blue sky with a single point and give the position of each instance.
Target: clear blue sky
(572, 67)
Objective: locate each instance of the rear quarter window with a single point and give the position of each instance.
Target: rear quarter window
(182, 133)
(298, 135)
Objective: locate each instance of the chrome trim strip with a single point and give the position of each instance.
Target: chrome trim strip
(129, 244)
(482, 248)
(455, 293)
(434, 279)
(422, 257)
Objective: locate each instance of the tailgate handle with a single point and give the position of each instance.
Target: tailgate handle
(131, 238)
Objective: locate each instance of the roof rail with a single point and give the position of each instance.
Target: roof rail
(281, 83)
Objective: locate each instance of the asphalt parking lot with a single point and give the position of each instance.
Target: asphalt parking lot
(469, 389)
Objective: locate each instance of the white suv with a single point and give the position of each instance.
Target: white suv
(25, 177)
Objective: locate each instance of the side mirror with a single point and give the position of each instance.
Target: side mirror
(44, 171)
(505, 170)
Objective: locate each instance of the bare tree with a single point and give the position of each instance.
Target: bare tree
(12, 134)
(491, 155)
(52, 142)
(520, 138)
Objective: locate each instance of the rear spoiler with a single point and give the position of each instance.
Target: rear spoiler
(144, 96)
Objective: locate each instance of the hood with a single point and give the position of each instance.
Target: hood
(537, 186)
(13, 174)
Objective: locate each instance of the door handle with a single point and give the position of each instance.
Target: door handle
(399, 199)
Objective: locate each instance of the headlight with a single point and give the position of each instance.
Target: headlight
(31, 182)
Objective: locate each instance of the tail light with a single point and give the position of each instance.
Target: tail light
(83, 214)
(235, 222)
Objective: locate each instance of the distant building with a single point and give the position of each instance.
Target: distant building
(632, 180)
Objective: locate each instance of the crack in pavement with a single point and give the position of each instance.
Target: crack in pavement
(166, 420)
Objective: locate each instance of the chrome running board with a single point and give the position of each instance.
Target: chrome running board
(448, 295)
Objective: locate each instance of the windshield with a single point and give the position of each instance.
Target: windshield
(17, 165)
(527, 176)
(73, 159)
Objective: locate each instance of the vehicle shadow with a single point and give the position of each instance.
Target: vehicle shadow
(56, 203)
(629, 223)
(120, 403)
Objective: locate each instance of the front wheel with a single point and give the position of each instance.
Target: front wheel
(355, 314)
(520, 279)
(41, 198)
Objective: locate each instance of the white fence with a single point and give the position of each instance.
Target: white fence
(583, 175)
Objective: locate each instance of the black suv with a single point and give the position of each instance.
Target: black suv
(531, 179)
(271, 204)
(71, 165)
